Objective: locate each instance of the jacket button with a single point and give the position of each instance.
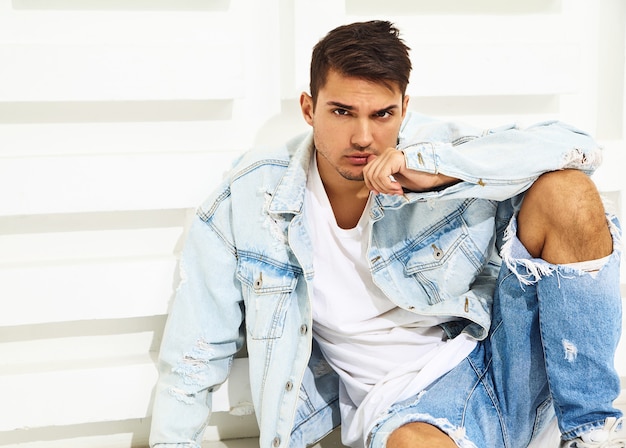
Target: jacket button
(303, 329)
(288, 386)
(258, 283)
(276, 442)
(437, 253)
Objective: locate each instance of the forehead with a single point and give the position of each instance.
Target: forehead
(342, 87)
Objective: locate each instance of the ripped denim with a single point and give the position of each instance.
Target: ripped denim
(550, 350)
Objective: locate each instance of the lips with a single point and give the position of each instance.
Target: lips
(358, 159)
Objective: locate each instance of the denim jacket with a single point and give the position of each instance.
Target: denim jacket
(246, 269)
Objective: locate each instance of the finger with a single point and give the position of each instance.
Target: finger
(367, 177)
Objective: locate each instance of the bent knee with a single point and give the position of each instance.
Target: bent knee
(567, 184)
(564, 184)
(561, 196)
(562, 219)
(419, 435)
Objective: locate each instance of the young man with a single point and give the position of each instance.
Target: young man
(363, 258)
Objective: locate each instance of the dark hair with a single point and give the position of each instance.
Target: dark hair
(369, 50)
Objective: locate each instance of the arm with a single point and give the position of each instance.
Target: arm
(496, 164)
(388, 173)
(202, 335)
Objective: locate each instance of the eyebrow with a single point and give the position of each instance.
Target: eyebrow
(347, 107)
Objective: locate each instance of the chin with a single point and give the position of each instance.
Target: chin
(357, 177)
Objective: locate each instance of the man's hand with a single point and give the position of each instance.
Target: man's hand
(388, 174)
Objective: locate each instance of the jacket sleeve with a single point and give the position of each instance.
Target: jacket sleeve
(499, 163)
(203, 332)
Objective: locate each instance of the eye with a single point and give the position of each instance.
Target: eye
(383, 114)
(342, 112)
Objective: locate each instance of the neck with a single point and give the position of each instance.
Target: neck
(347, 199)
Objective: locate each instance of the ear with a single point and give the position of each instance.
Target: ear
(405, 105)
(307, 107)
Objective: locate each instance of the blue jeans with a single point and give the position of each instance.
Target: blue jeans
(550, 351)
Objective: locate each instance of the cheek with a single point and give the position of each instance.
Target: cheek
(318, 140)
(388, 137)
(327, 137)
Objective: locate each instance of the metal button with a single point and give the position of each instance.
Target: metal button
(288, 386)
(258, 283)
(437, 253)
(276, 442)
(303, 329)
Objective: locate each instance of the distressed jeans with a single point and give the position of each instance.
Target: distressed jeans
(550, 351)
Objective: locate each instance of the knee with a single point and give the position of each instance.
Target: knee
(419, 435)
(564, 198)
(564, 187)
(562, 218)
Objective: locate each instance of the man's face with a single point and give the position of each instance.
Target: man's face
(352, 120)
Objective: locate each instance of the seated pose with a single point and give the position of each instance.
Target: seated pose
(420, 283)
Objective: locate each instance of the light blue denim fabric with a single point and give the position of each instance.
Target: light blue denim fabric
(551, 346)
(246, 267)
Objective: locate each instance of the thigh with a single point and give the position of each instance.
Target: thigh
(460, 404)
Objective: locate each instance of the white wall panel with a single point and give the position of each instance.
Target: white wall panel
(109, 389)
(115, 288)
(118, 22)
(203, 127)
(99, 72)
(88, 183)
(49, 348)
(312, 20)
(69, 393)
(461, 69)
(87, 246)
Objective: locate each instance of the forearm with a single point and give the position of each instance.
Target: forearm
(506, 156)
(422, 182)
(503, 163)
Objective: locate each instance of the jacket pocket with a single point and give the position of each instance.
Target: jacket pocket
(445, 263)
(267, 288)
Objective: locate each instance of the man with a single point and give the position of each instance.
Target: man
(362, 258)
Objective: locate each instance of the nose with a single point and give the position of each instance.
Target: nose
(362, 134)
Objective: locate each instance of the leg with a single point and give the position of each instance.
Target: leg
(562, 221)
(460, 409)
(419, 435)
(518, 364)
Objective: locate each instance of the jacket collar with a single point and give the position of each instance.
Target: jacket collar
(288, 197)
(289, 194)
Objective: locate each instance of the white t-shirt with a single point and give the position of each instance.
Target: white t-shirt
(382, 353)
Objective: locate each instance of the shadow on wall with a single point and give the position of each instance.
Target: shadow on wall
(282, 127)
(123, 5)
(403, 7)
(115, 111)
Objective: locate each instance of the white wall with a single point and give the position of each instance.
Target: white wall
(118, 116)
